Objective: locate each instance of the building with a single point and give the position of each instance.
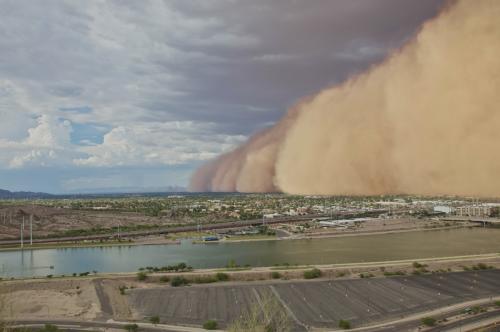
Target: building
(474, 211)
(443, 209)
(336, 223)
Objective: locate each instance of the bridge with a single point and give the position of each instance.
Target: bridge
(479, 220)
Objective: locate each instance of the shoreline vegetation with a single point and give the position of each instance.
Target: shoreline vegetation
(197, 239)
(287, 271)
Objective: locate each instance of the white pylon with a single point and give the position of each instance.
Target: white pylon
(22, 233)
(31, 229)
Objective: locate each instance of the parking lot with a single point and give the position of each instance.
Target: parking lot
(320, 303)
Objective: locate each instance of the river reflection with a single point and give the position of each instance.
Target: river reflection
(369, 248)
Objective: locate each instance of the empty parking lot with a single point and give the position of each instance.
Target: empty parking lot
(319, 303)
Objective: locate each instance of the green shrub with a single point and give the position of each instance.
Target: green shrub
(221, 276)
(417, 265)
(131, 327)
(481, 266)
(395, 273)
(429, 321)
(477, 309)
(154, 320)
(344, 324)
(275, 275)
(312, 274)
(210, 325)
(178, 281)
(141, 276)
(122, 289)
(232, 264)
(164, 279)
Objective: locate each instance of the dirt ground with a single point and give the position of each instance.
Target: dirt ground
(54, 299)
(49, 220)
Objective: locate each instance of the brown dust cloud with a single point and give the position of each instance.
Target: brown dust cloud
(425, 121)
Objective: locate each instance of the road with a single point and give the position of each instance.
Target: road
(77, 325)
(190, 228)
(468, 323)
(461, 325)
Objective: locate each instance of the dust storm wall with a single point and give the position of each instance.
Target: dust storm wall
(425, 121)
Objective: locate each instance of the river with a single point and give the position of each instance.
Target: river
(363, 248)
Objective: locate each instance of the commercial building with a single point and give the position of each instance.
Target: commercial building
(474, 211)
(443, 209)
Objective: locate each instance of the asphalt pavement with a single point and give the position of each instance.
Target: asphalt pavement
(319, 304)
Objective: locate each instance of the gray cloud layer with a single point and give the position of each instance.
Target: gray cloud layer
(226, 67)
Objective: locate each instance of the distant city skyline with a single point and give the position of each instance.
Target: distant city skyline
(107, 95)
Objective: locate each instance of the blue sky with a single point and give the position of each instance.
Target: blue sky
(134, 95)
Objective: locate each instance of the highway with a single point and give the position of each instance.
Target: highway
(192, 228)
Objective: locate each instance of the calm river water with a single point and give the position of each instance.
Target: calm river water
(367, 248)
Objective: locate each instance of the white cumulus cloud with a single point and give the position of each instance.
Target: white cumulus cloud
(48, 143)
(170, 143)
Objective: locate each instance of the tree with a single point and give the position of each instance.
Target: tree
(178, 281)
(312, 274)
(232, 264)
(344, 324)
(154, 320)
(210, 325)
(131, 327)
(429, 321)
(221, 276)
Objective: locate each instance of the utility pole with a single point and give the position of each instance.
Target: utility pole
(31, 229)
(22, 233)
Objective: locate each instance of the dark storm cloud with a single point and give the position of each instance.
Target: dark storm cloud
(294, 48)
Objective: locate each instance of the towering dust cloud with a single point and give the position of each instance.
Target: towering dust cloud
(426, 121)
